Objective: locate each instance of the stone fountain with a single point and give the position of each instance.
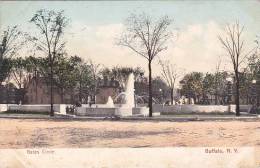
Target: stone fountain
(127, 108)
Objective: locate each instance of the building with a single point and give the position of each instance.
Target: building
(9, 94)
(107, 88)
(38, 92)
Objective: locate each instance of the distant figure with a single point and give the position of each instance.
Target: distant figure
(180, 102)
(67, 109)
(90, 103)
(167, 103)
(186, 101)
(78, 104)
(191, 101)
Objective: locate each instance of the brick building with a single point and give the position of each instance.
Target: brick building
(9, 94)
(107, 88)
(38, 92)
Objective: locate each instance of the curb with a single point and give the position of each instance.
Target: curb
(181, 119)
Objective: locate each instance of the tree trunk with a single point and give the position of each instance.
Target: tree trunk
(95, 89)
(150, 103)
(257, 101)
(7, 95)
(95, 93)
(36, 86)
(62, 95)
(203, 98)
(216, 99)
(80, 95)
(72, 96)
(237, 95)
(20, 87)
(51, 78)
(172, 96)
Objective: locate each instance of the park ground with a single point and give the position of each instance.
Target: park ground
(39, 133)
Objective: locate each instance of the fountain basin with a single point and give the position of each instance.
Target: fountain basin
(98, 112)
(110, 111)
(144, 111)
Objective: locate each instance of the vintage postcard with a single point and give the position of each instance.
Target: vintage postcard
(139, 84)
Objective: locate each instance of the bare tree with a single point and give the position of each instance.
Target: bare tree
(51, 25)
(95, 71)
(146, 37)
(233, 44)
(19, 73)
(170, 74)
(217, 78)
(11, 41)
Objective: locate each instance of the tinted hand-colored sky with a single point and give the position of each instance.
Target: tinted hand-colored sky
(94, 25)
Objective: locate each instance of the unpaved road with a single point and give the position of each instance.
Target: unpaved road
(29, 133)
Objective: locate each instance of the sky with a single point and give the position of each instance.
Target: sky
(95, 25)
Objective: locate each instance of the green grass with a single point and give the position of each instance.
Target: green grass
(25, 112)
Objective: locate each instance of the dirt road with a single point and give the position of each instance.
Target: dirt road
(18, 133)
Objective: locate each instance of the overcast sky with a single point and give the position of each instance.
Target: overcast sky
(94, 25)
